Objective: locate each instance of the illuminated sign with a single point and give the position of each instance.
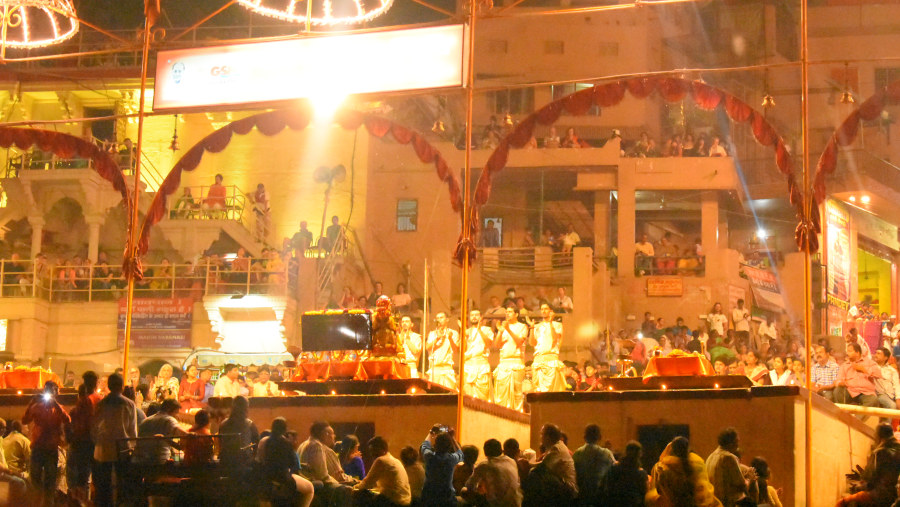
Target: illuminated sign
(310, 67)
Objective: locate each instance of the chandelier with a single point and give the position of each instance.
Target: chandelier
(28, 24)
(320, 14)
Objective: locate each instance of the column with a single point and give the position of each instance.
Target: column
(626, 226)
(709, 225)
(582, 297)
(601, 222)
(93, 222)
(37, 232)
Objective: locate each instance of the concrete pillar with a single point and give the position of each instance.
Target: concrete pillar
(37, 232)
(601, 223)
(626, 226)
(93, 222)
(582, 295)
(709, 226)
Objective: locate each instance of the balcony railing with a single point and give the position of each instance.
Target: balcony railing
(37, 160)
(64, 283)
(198, 206)
(540, 264)
(691, 265)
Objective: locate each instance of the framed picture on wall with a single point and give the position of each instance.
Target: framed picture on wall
(491, 233)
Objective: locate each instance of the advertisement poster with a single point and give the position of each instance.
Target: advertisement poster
(837, 223)
(162, 323)
(766, 294)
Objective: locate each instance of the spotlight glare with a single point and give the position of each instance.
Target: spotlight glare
(762, 233)
(852, 198)
(865, 199)
(325, 103)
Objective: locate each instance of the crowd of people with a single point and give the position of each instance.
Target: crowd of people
(88, 452)
(665, 257)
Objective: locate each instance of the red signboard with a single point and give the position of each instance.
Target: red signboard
(162, 323)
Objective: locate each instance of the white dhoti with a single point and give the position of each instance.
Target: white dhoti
(547, 373)
(442, 374)
(478, 378)
(508, 378)
(413, 370)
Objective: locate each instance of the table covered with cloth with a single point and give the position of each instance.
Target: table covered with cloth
(27, 378)
(678, 363)
(384, 368)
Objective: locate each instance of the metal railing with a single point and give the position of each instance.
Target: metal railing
(690, 265)
(498, 264)
(199, 206)
(37, 160)
(86, 283)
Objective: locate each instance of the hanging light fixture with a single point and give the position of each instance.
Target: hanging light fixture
(174, 144)
(29, 24)
(846, 95)
(438, 127)
(768, 100)
(508, 120)
(319, 13)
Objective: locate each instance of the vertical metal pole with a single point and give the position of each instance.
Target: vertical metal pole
(541, 225)
(424, 321)
(470, 93)
(132, 240)
(808, 204)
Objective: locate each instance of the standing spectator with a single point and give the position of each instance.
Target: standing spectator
(626, 483)
(228, 386)
(823, 374)
(302, 239)
(680, 478)
(887, 388)
(401, 301)
(592, 464)
(386, 484)
(239, 449)
(415, 472)
(570, 239)
(552, 140)
(215, 201)
(115, 419)
(262, 212)
(666, 253)
(333, 235)
(854, 337)
(376, 293)
(717, 320)
(48, 419)
(441, 454)
(856, 379)
(572, 140)
(643, 255)
(740, 320)
(766, 334)
(279, 462)
(190, 391)
(81, 447)
(552, 481)
(724, 469)
(490, 236)
(497, 477)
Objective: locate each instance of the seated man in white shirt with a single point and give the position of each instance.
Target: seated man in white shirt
(495, 480)
(263, 386)
(227, 386)
(386, 484)
(887, 388)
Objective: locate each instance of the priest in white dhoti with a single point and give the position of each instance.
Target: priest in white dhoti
(510, 372)
(410, 346)
(479, 339)
(546, 369)
(442, 345)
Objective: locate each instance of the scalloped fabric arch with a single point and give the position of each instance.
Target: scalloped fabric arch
(671, 89)
(843, 136)
(273, 122)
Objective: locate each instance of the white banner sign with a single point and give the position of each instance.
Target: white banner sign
(311, 67)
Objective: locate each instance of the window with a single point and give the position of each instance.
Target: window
(518, 101)
(886, 76)
(560, 91)
(407, 215)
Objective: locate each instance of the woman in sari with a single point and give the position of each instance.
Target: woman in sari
(756, 371)
(679, 479)
(191, 390)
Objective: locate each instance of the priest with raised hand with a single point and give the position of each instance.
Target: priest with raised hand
(547, 369)
(479, 339)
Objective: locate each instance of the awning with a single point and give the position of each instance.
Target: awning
(767, 300)
(207, 358)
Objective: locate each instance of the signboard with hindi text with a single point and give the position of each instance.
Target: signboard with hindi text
(764, 285)
(162, 323)
(311, 67)
(666, 286)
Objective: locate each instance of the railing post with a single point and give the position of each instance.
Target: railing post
(90, 287)
(206, 279)
(248, 278)
(52, 279)
(34, 279)
(2, 278)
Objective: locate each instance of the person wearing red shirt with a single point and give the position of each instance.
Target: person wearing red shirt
(81, 445)
(48, 419)
(856, 379)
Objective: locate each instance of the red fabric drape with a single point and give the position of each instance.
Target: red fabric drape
(271, 123)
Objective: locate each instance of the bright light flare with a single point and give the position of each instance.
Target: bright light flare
(325, 103)
(865, 199)
(762, 233)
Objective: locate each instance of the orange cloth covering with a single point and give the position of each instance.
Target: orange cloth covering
(678, 363)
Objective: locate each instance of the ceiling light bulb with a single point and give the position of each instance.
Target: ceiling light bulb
(438, 127)
(852, 198)
(847, 97)
(865, 199)
(768, 100)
